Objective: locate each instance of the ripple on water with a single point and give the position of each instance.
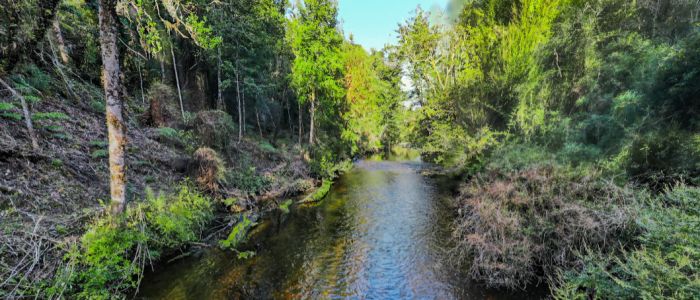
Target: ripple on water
(379, 234)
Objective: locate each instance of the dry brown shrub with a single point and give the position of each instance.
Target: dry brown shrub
(163, 109)
(514, 228)
(207, 169)
(215, 128)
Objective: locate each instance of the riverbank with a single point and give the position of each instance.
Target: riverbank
(382, 231)
(50, 199)
(525, 218)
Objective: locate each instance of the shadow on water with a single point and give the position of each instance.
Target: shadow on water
(379, 234)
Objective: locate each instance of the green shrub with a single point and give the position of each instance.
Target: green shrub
(6, 112)
(176, 219)
(49, 116)
(101, 153)
(247, 180)
(56, 163)
(267, 147)
(238, 234)
(515, 157)
(98, 105)
(661, 158)
(168, 132)
(665, 265)
(107, 265)
(114, 250)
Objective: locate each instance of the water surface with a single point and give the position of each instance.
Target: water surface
(381, 233)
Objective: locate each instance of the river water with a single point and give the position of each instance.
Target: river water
(381, 233)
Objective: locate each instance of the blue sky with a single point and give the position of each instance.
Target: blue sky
(373, 23)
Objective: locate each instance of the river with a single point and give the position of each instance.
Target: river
(381, 233)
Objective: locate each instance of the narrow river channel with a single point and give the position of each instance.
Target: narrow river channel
(381, 233)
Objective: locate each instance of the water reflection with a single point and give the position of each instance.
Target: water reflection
(379, 234)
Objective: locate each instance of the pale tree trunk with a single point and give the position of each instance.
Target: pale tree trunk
(289, 114)
(143, 98)
(257, 119)
(177, 80)
(301, 128)
(116, 128)
(220, 99)
(27, 114)
(312, 116)
(240, 114)
(162, 69)
(243, 103)
(59, 40)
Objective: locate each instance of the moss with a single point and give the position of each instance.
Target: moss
(238, 234)
(320, 193)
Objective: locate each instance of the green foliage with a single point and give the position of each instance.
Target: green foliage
(99, 153)
(49, 116)
(98, 143)
(238, 234)
(267, 147)
(56, 163)
(97, 105)
(320, 193)
(6, 111)
(247, 180)
(106, 258)
(177, 219)
(114, 250)
(4, 106)
(661, 158)
(664, 264)
(284, 206)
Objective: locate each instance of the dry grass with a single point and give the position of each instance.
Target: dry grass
(215, 129)
(163, 109)
(207, 168)
(515, 227)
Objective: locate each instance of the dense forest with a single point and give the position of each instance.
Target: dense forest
(130, 130)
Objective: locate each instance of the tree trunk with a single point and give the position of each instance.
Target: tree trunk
(143, 98)
(220, 99)
(301, 129)
(27, 114)
(116, 128)
(257, 118)
(243, 103)
(240, 114)
(313, 115)
(59, 40)
(289, 114)
(162, 70)
(177, 80)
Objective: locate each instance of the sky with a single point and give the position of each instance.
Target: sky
(373, 23)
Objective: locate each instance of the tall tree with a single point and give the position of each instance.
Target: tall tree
(116, 128)
(317, 65)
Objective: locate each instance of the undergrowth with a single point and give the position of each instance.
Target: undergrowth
(109, 260)
(665, 264)
(525, 217)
